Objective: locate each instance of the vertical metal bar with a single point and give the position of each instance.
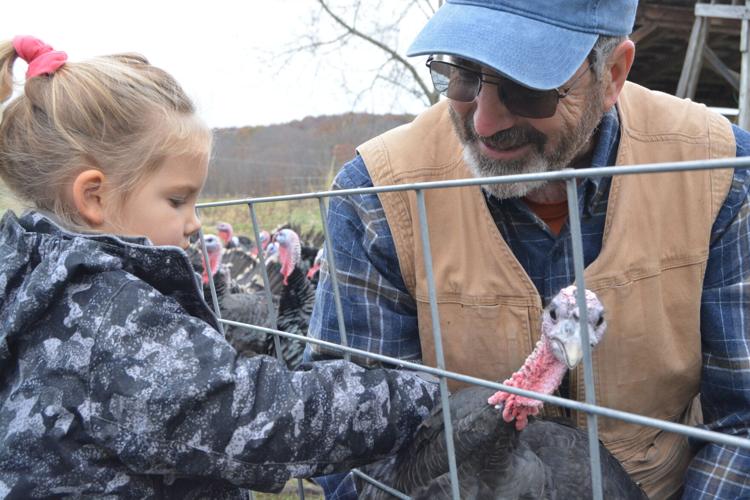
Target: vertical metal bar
(439, 357)
(743, 120)
(588, 372)
(209, 271)
(266, 285)
(334, 279)
(271, 309)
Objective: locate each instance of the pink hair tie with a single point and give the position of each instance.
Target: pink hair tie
(42, 59)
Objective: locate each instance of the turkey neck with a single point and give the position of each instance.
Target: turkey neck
(542, 371)
(220, 286)
(290, 294)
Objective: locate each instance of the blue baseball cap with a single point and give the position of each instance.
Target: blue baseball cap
(537, 43)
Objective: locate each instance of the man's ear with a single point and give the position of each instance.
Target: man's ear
(88, 196)
(617, 69)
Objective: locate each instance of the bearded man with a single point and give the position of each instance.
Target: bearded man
(538, 87)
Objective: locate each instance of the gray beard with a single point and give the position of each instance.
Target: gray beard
(538, 160)
(482, 166)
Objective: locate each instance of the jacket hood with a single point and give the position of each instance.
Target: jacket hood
(39, 259)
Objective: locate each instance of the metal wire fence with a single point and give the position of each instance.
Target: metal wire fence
(589, 406)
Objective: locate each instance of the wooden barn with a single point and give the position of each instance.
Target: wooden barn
(666, 31)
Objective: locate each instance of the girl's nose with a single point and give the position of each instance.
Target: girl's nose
(194, 225)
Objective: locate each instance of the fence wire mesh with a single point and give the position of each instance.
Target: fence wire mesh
(589, 406)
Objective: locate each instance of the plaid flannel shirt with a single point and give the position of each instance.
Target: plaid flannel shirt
(380, 315)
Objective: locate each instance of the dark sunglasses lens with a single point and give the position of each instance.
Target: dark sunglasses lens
(453, 82)
(526, 102)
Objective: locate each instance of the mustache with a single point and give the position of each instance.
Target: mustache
(514, 137)
(505, 139)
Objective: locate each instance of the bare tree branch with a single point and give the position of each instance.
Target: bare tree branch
(404, 12)
(283, 59)
(340, 29)
(427, 7)
(351, 28)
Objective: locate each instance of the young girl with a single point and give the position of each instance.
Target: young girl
(114, 380)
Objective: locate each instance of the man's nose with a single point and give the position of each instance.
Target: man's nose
(491, 115)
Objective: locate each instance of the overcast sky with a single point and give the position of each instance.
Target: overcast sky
(221, 51)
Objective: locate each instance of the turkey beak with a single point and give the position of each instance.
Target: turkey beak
(570, 343)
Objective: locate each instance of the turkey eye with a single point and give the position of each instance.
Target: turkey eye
(600, 321)
(553, 314)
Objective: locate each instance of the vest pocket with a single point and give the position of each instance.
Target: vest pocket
(657, 459)
(489, 341)
(660, 469)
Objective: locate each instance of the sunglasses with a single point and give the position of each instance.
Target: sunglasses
(463, 84)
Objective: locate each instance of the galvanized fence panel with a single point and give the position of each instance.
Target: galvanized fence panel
(592, 410)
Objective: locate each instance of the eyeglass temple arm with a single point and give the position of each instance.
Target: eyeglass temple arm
(566, 91)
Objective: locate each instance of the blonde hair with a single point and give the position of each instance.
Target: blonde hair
(117, 113)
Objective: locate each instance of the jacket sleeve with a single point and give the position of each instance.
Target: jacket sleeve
(169, 396)
(720, 471)
(379, 313)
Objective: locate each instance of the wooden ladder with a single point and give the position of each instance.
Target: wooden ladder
(698, 51)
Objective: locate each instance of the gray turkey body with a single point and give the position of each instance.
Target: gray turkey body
(549, 459)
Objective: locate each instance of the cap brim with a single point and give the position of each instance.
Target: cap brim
(535, 54)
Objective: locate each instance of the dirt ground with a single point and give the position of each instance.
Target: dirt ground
(312, 492)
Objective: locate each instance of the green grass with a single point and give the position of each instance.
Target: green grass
(302, 213)
(305, 214)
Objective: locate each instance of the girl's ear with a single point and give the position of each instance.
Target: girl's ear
(88, 197)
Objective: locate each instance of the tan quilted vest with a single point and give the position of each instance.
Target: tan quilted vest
(649, 274)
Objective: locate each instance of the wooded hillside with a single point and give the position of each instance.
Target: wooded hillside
(293, 157)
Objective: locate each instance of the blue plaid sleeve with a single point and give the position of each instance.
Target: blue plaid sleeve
(720, 471)
(379, 313)
(338, 486)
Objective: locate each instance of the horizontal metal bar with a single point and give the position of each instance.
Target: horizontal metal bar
(633, 418)
(380, 485)
(725, 111)
(559, 175)
(722, 11)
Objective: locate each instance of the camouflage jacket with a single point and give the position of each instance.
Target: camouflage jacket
(115, 382)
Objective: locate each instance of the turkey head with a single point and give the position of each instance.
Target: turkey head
(290, 251)
(558, 350)
(226, 233)
(213, 249)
